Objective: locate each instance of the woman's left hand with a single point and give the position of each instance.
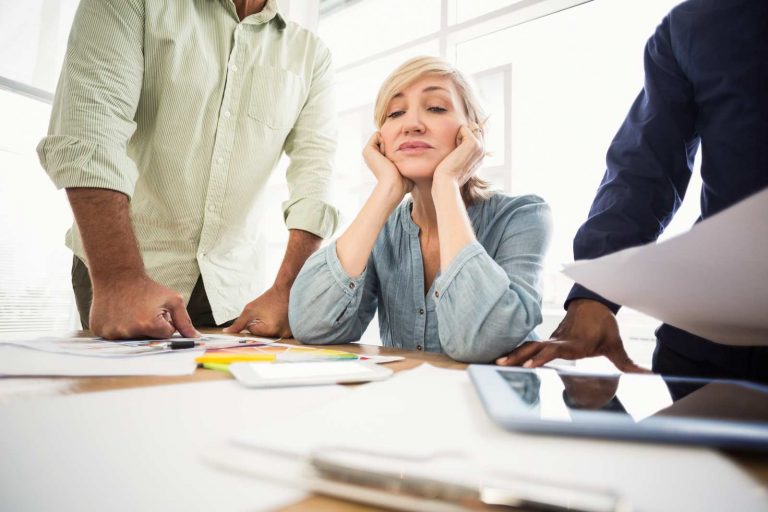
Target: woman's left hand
(461, 163)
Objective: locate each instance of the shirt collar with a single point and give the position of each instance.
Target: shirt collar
(405, 217)
(267, 14)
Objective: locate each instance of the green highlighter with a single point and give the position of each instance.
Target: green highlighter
(219, 367)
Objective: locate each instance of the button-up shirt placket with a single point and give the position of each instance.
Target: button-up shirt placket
(222, 150)
(420, 331)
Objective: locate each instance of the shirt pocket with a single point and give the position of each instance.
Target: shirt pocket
(276, 97)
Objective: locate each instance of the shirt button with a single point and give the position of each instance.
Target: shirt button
(421, 311)
(211, 208)
(351, 286)
(201, 255)
(233, 68)
(227, 114)
(437, 294)
(419, 347)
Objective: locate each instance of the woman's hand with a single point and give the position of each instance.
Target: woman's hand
(461, 163)
(386, 172)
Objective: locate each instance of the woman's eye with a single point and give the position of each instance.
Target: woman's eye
(396, 113)
(437, 110)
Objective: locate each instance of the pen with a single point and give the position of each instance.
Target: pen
(180, 344)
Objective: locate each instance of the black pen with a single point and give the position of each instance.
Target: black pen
(180, 344)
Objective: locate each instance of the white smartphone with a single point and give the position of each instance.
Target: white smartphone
(260, 375)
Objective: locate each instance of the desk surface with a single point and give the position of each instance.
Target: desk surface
(754, 464)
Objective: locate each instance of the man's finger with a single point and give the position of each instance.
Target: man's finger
(549, 352)
(259, 328)
(521, 354)
(623, 362)
(159, 328)
(239, 324)
(180, 319)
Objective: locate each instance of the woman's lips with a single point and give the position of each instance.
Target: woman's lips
(414, 146)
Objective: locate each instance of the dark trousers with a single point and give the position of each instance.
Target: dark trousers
(199, 308)
(723, 362)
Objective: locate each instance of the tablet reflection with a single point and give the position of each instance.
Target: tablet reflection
(581, 392)
(526, 386)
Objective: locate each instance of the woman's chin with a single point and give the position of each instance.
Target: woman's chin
(416, 174)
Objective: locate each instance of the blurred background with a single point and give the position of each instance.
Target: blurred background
(556, 76)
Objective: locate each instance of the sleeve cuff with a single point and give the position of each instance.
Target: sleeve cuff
(350, 285)
(312, 215)
(467, 253)
(72, 162)
(579, 292)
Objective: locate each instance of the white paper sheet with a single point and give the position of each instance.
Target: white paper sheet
(711, 281)
(99, 347)
(435, 412)
(141, 449)
(17, 361)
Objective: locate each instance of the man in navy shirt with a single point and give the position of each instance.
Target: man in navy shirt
(706, 82)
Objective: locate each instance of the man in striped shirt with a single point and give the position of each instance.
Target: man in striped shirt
(168, 120)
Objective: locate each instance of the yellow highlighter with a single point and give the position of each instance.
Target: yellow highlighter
(231, 357)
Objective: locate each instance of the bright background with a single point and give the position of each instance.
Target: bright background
(556, 77)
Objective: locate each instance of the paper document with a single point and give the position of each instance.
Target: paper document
(16, 360)
(433, 415)
(140, 449)
(99, 347)
(711, 281)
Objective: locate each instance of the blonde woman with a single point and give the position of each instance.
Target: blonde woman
(454, 268)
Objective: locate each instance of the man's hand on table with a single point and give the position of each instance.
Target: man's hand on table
(267, 315)
(137, 307)
(589, 329)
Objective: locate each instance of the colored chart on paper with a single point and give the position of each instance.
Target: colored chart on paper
(273, 353)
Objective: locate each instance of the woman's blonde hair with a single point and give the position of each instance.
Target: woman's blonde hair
(475, 188)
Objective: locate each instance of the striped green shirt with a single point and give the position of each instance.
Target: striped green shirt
(187, 110)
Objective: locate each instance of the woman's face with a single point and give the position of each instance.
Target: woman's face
(421, 126)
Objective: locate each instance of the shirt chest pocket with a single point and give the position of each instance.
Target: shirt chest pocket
(276, 97)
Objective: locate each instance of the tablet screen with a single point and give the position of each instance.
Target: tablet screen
(567, 397)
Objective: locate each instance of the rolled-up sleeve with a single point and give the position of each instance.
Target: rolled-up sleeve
(328, 306)
(96, 99)
(311, 147)
(486, 306)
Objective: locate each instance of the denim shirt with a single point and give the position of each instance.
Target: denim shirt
(485, 304)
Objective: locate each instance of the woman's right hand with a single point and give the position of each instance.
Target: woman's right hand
(385, 171)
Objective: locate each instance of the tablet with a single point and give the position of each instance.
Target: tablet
(261, 375)
(722, 413)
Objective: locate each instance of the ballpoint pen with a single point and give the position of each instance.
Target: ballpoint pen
(181, 344)
(162, 344)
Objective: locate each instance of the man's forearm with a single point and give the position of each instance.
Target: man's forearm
(104, 221)
(301, 245)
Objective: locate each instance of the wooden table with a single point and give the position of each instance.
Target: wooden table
(753, 463)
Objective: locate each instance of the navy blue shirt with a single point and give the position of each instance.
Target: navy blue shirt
(706, 83)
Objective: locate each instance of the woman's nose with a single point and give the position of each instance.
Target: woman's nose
(412, 123)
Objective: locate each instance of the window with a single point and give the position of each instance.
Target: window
(35, 290)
